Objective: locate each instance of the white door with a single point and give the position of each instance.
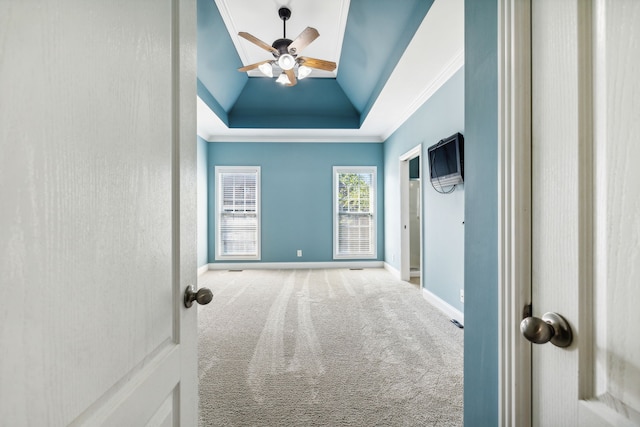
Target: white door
(97, 212)
(586, 209)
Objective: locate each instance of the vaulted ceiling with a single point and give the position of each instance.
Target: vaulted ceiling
(391, 56)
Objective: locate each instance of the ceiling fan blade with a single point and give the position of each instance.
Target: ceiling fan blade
(253, 66)
(320, 64)
(292, 77)
(307, 36)
(258, 42)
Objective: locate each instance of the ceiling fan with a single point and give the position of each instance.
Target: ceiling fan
(285, 52)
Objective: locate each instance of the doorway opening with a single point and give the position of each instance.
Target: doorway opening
(411, 216)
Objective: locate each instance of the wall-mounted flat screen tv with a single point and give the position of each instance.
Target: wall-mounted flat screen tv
(446, 161)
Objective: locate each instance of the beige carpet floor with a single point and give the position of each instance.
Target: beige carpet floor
(333, 347)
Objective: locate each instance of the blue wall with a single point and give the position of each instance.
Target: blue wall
(481, 202)
(297, 189)
(387, 25)
(330, 107)
(222, 84)
(203, 232)
(443, 215)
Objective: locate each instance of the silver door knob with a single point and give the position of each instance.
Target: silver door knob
(552, 327)
(202, 297)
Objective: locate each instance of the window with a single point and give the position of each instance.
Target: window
(354, 220)
(237, 212)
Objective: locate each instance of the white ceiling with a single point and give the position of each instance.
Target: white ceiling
(435, 53)
(260, 19)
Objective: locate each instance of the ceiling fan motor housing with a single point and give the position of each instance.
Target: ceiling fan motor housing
(282, 45)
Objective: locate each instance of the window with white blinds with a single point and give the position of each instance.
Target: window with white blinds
(238, 212)
(354, 221)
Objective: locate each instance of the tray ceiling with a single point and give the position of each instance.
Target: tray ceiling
(391, 57)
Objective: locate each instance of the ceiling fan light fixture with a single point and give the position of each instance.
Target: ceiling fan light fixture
(266, 69)
(285, 52)
(286, 61)
(303, 71)
(283, 79)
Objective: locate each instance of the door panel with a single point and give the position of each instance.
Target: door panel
(616, 344)
(90, 229)
(586, 209)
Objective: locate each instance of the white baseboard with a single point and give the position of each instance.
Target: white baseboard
(443, 306)
(292, 265)
(203, 269)
(391, 269)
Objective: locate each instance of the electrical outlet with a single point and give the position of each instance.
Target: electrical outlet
(299, 252)
(462, 296)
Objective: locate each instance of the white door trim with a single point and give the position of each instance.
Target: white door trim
(405, 238)
(514, 210)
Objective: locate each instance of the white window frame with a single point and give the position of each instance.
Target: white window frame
(219, 170)
(373, 170)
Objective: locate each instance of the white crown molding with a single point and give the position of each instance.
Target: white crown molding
(212, 129)
(223, 8)
(433, 56)
(456, 63)
(342, 25)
